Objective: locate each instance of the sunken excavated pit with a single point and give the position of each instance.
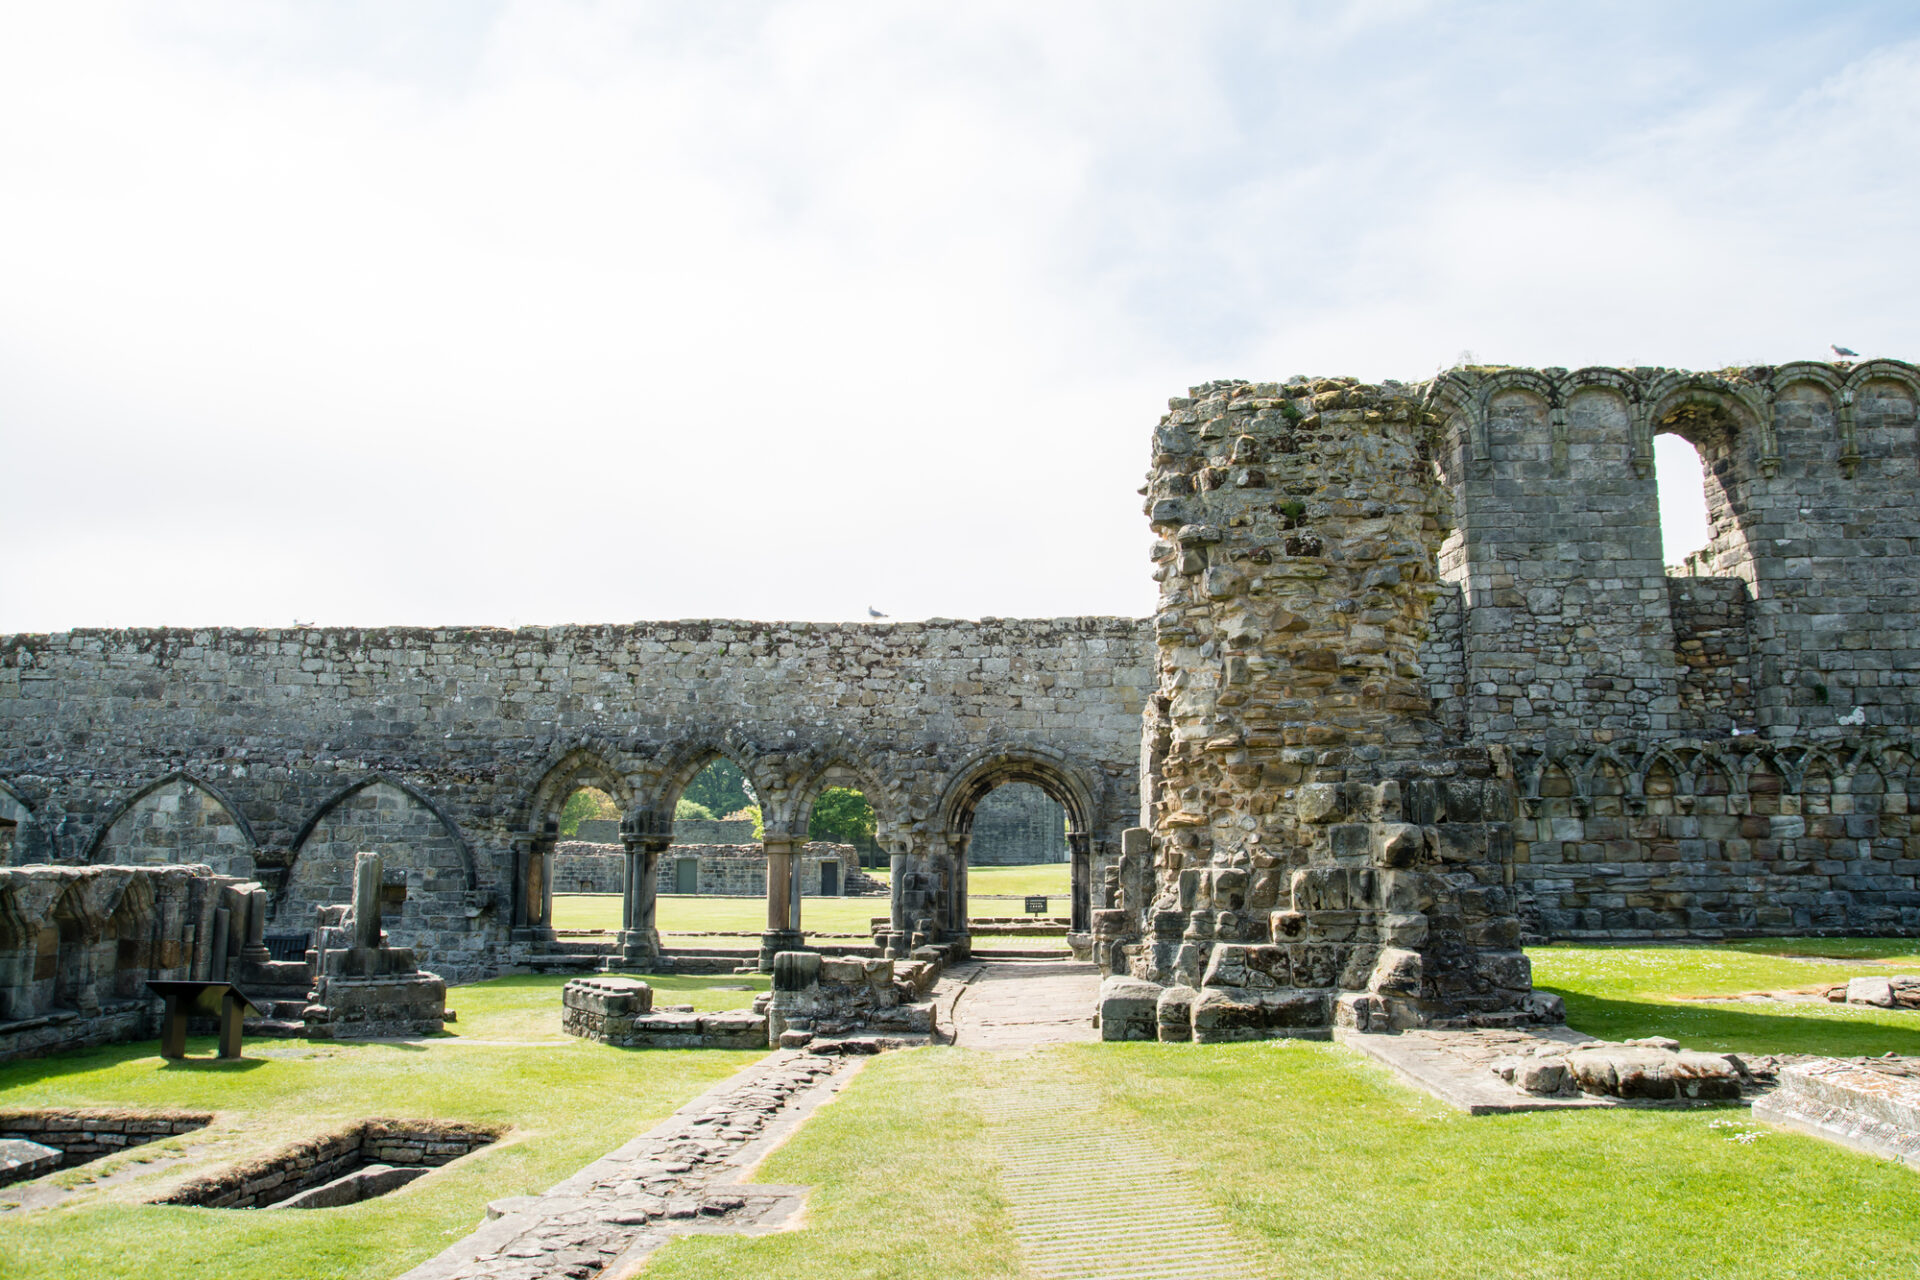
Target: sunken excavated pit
(357, 1163)
(82, 1136)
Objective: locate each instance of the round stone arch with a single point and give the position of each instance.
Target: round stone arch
(583, 764)
(675, 768)
(1737, 444)
(1051, 770)
(845, 767)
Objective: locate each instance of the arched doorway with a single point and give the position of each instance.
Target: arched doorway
(581, 802)
(935, 907)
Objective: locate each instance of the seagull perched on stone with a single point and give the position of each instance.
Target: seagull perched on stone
(1843, 353)
(874, 613)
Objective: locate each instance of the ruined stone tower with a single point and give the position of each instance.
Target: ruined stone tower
(1320, 854)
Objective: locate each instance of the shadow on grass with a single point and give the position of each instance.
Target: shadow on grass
(218, 1066)
(1727, 1029)
(34, 1070)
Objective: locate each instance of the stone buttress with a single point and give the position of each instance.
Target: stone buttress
(1319, 855)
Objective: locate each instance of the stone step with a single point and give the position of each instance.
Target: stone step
(274, 1028)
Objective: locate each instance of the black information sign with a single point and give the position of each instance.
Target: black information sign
(1037, 906)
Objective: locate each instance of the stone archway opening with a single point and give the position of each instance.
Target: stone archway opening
(934, 902)
(711, 879)
(1679, 475)
(1019, 864)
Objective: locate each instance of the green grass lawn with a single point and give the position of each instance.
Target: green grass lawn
(1051, 878)
(566, 1103)
(1621, 992)
(676, 915)
(1319, 1162)
(743, 915)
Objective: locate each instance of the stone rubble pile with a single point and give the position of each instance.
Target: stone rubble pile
(1901, 991)
(822, 997)
(1651, 1069)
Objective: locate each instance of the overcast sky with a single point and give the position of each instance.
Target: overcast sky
(529, 313)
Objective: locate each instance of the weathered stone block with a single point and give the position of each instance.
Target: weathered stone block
(1129, 1009)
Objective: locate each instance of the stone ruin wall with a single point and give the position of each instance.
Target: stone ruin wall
(1319, 854)
(1018, 825)
(725, 870)
(277, 754)
(1729, 751)
(1726, 751)
(79, 944)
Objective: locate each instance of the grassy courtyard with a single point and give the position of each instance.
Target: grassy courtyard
(1318, 1161)
(992, 891)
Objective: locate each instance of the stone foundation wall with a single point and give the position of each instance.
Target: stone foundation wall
(280, 1174)
(87, 1135)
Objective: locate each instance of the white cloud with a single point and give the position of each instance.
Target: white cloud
(577, 312)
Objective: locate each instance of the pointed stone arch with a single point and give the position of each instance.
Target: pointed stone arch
(16, 817)
(430, 899)
(178, 818)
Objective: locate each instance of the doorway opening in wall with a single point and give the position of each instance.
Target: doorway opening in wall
(711, 881)
(593, 864)
(7, 831)
(1019, 877)
(1684, 529)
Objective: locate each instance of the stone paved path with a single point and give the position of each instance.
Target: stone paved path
(1091, 1199)
(1016, 1004)
(680, 1177)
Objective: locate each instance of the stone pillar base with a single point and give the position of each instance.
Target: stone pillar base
(638, 946)
(534, 933)
(774, 941)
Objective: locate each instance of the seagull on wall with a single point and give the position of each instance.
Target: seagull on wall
(874, 613)
(1844, 353)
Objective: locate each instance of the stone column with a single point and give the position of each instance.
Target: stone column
(255, 952)
(533, 888)
(895, 941)
(1080, 849)
(366, 900)
(783, 897)
(958, 932)
(645, 839)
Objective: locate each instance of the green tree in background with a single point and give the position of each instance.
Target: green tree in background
(719, 788)
(587, 802)
(843, 816)
(687, 809)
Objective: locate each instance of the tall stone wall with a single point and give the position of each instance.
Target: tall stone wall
(1572, 628)
(453, 750)
(1721, 752)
